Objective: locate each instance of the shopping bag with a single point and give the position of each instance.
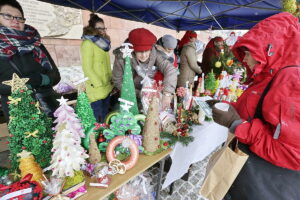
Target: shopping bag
(222, 170)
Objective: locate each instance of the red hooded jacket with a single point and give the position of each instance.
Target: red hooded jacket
(274, 43)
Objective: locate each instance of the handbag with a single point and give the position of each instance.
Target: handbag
(46, 96)
(222, 169)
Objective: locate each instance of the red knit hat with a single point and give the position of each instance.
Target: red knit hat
(141, 39)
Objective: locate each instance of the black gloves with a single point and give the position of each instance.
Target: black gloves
(230, 119)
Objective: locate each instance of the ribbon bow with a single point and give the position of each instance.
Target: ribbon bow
(14, 101)
(33, 134)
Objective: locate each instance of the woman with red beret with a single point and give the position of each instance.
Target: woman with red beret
(145, 60)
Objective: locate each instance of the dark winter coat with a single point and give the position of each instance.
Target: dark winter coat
(273, 169)
(29, 69)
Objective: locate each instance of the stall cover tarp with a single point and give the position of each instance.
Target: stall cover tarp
(183, 15)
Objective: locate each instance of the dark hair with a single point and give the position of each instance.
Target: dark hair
(12, 3)
(94, 19)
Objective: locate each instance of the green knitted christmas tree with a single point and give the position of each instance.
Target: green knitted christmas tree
(30, 129)
(128, 89)
(84, 112)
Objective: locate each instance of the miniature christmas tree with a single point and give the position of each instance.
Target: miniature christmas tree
(151, 133)
(29, 128)
(68, 154)
(85, 112)
(124, 122)
(29, 166)
(210, 82)
(128, 89)
(94, 153)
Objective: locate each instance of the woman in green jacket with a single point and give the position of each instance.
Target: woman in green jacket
(96, 66)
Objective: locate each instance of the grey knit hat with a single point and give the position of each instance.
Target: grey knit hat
(169, 41)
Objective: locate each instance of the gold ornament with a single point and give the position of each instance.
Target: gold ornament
(37, 105)
(14, 101)
(33, 134)
(218, 64)
(16, 83)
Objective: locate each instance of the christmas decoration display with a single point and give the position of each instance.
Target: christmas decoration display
(123, 123)
(210, 83)
(30, 129)
(94, 153)
(291, 6)
(151, 131)
(68, 154)
(127, 143)
(75, 191)
(53, 188)
(84, 111)
(29, 166)
(97, 130)
(23, 189)
(226, 61)
(128, 88)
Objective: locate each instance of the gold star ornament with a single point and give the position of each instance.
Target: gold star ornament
(16, 83)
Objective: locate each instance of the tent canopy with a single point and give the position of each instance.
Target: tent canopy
(183, 15)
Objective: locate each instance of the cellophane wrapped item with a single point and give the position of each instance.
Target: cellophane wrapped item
(139, 188)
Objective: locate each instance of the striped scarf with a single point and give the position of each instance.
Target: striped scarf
(101, 42)
(13, 41)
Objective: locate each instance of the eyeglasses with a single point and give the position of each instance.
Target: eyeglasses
(10, 17)
(101, 29)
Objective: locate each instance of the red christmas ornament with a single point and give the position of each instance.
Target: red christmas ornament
(21, 91)
(8, 102)
(45, 141)
(101, 139)
(33, 118)
(182, 134)
(7, 142)
(23, 148)
(166, 144)
(11, 135)
(32, 102)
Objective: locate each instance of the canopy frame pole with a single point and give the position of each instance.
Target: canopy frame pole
(212, 15)
(80, 6)
(107, 2)
(168, 23)
(157, 20)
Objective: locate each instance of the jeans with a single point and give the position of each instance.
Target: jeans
(100, 108)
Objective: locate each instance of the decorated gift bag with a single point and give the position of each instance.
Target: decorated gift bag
(22, 190)
(222, 170)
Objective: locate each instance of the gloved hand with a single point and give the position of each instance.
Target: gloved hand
(225, 118)
(212, 102)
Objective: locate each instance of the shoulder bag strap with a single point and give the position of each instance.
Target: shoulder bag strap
(258, 113)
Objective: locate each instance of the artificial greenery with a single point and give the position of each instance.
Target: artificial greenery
(30, 129)
(185, 140)
(291, 6)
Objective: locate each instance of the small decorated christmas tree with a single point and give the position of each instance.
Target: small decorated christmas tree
(30, 129)
(29, 166)
(85, 112)
(210, 82)
(68, 154)
(151, 132)
(128, 89)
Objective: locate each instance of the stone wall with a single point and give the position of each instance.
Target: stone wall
(67, 52)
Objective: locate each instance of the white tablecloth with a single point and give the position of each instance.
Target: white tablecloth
(207, 138)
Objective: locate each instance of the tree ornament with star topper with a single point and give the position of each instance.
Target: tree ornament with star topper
(30, 129)
(68, 154)
(29, 166)
(128, 88)
(122, 124)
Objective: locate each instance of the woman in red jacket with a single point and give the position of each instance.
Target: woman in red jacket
(266, 118)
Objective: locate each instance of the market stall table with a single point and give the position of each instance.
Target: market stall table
(207, 138)
(144, 162)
